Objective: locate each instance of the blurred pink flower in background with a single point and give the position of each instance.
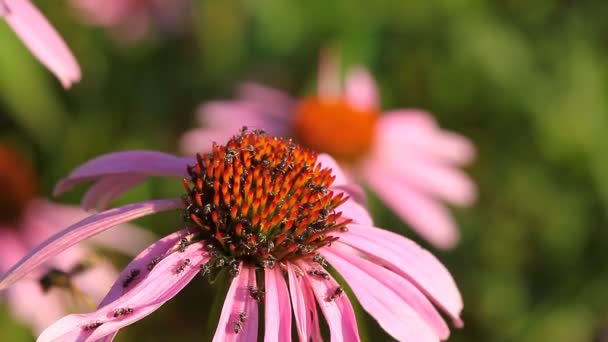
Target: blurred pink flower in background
(257, 203)
(77, 277)
(133, 19)
(41, 39)
(402, 155)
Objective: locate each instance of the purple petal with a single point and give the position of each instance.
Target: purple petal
(41, 39)
(162, 283)
(400, 308)
(140, 163)
(233, 115)
(278, 309)
(304, 307)
(100, 194)
(338, 311)
(406, 258)
(200, 140)
(84, 229)
(274, 104)
(361, 90)
(426, 215)
(239, 317)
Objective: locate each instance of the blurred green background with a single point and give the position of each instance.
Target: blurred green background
(526, 81)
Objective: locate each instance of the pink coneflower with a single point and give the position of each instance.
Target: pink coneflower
(258, 205)
(75, 278)
(42, 39)
(133, 19)
(402, 155)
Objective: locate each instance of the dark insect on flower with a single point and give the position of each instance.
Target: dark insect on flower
(92, 325)
(257, 293)
(238, 326)
(129, 279)
(183, 266)
(122, 312)
(230, 154)
(319, 273)
(183, 243)
(242, 316)
(337, 293)
(319, 259)
(153, 263)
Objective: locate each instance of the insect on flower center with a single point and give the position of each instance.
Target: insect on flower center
(335, 127)
(262, 199)
(18, 183)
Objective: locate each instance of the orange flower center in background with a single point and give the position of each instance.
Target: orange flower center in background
(18, 185)
(261, 199)
(334, 127)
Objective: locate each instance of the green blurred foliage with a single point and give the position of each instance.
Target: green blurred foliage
(527, 81)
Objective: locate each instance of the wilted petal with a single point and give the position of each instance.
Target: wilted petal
(239, 317)
(278, 310)
(406, 258)
(361, 90)
(84, 229)
(338, 311)
(142, 163)
(162, 283)
(400, 308)
(42, 39)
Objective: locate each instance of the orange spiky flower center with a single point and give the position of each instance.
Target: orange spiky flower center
(334, 126)
(18, 183)
(262, 199)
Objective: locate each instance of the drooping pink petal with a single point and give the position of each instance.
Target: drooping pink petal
(165, 280)
(3, 9)
(411, 308)
(328, 161)
(100, 194)
(361, 90)
(444, 181)
(392, 313)
(278, 309)
(239, 317)
(126, 239)
(406, 258)
(30, 305)
(41, 39)
(336, 308)
(12, 248)
(427, 216)
(414, 132)
(304, 307)
(143, 163)
(84, 229)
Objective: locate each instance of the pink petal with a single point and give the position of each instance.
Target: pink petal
(200, 140)
(274, 104)
(363, 275)
(96, 280)
(104, 191)
(161, 284)
(353, 210)
(304, 307)
(329, 85)
(84, 229)
(393, 314)
(328, 161)
(233, 115)
(126, 239)
(406, 258)
(29, 304)
(427, 216)
(141, 163)
(277, 307)
(414, 132)
(12, 248)
(42, 40)
(141, 265)
(361, 90)
(338, 312)
(238, 302)
(445, 181)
